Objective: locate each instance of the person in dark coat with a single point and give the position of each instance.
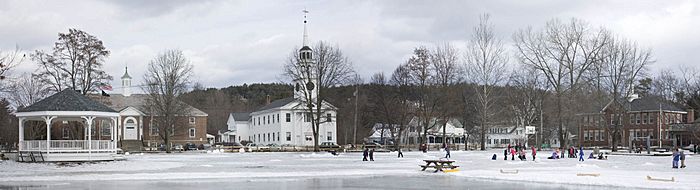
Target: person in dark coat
(400, 153)
(371, 155)
(505, 154)
(447, 149)
(365, 154)
(493, 157)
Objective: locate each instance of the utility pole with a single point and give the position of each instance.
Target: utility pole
(354, 134)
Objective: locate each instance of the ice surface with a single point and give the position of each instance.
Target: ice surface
(216, 167)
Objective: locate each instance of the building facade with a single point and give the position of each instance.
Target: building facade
(134, 125)
(636, 119)
(288, 121)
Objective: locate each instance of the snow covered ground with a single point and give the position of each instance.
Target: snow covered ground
(347, 171)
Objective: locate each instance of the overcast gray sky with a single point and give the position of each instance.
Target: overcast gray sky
(236, 42)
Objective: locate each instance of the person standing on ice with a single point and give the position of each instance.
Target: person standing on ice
(364, 154)
(505, 154)
(400, 153)
(534, 153)
(447, 150)
(676, 157)
(682, 155)
(580, 154)
(371, 155)
(512, 154)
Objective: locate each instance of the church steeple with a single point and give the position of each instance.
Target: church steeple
(307, 83)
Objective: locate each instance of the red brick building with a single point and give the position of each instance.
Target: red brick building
(638, 118)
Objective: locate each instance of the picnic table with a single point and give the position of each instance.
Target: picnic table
(438, 164)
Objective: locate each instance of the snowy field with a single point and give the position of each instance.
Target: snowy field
(347, 171)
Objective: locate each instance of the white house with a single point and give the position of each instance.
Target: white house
(287, 121)
(454, 131)
(502, 136)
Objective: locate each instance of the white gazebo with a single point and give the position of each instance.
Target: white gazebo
(66, 106)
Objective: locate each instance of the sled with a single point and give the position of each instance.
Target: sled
(509, 172)
(451, 170)
(588, 174)
(673, 179)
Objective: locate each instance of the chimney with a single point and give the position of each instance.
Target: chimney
(267, 100)
(691, 115)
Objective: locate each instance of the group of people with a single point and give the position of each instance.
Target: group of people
(519, 150)
(368, 152)
(678, 155)
(573, 153)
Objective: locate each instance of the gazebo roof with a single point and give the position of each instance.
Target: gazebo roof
(67, 100)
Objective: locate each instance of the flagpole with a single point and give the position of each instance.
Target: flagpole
(354, 134)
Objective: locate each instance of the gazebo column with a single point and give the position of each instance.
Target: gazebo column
(21, 133)
(114, 133)
(88, 121)
(48, 120)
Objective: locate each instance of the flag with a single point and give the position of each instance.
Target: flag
(106, 87)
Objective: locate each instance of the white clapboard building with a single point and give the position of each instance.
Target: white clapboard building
(286, 121)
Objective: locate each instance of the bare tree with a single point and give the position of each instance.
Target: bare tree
(563, 53)
(421, 72)
(526, 98)
(167, 77)
(75, 63)
(486, 65)
(330, 68)
(445, 60)
(623, 64)
(25, 91)
(8, 61)
(403, 107)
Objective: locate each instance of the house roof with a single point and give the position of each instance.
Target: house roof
(653, 103)
(67, 100)
(120, 102)
(241, 116)
(277, 103)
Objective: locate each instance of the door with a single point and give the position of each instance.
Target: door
(130, 132)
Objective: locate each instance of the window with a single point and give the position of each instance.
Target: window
(330, 136)
(268, 119)
(652, 118)
(644, 118)
(639, 119)
(307, 117)
(66, 132)
(192, 132)
(632, 119)
(288, 117)
(329, 118)
(259, 137)
(278, 118)
(585, 135)
(273, 136)
(193, 120)
(289, 136)
(153, 130)
(602, 135)
(278, 134)
(597, 137)
(105, 128)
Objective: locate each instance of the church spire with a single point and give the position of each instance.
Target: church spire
(306, 33)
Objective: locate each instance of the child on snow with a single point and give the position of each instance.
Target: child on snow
(676, 157)
(512, 154)
(534, 153)
(493, 157)
(365, 153)
(580, 154)
(505, 154)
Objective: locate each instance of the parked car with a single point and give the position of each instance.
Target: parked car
(251, 147)
(372, 145)
(274, 147)
(177, 147)
(190, 146)
(328, 145)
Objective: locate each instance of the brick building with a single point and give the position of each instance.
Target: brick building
(637, 118)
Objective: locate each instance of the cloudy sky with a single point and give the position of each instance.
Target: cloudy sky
(236, 42)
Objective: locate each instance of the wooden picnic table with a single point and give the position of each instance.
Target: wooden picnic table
(438, 164)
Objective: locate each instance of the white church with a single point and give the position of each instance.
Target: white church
(286, 121)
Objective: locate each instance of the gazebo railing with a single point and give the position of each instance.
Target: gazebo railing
(67, 145)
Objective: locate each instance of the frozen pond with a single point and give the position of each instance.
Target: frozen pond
(347, 171)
